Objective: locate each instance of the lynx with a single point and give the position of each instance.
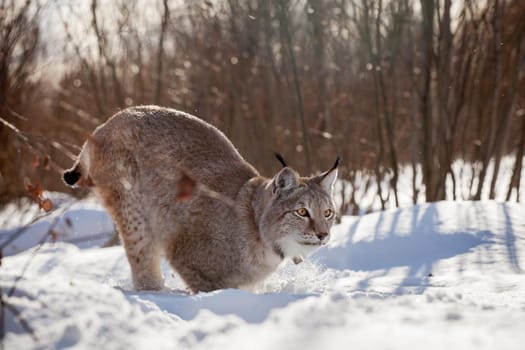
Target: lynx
(135, 160)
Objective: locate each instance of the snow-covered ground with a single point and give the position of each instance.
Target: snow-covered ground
(433, 276)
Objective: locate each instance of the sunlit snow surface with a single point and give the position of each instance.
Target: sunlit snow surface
(434, 276)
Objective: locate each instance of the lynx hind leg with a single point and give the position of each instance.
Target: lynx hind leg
(141, 248)
(180, 253)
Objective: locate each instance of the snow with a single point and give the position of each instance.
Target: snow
(85, 223)
(433, 276)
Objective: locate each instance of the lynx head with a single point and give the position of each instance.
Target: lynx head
(299, 213)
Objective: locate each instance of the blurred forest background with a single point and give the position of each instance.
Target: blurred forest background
(386, 84)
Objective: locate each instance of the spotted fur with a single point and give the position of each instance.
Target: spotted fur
(232, 239)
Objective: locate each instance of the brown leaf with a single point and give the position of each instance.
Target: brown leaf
(68, 221)
(46, 204)
(35, 162)
(185, 188)
(39, 190)
(46, 163)
(35, 192)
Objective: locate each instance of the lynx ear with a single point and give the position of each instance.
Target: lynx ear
(280, 159)
(327, 179)
(285, 179)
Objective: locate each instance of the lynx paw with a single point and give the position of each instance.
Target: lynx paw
(148, 283)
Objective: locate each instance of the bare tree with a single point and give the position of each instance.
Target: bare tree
(287, 42)
(383, 83)
(19, 38)
(160, 55)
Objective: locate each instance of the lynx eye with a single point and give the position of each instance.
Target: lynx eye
(302, 212)
(328, 213)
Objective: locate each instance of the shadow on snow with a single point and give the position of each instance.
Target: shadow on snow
(253, 308)
(417, 249)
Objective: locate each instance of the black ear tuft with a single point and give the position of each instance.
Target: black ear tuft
(280, 159)
(336, 164)
(327, 179)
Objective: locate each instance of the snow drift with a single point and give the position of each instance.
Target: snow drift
(447, 274)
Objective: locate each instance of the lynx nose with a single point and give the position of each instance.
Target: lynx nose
(322, 235)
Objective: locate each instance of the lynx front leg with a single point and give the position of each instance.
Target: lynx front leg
(141, 248)
(144, 261)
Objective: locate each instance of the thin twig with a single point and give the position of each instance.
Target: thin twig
(20, 320)
(17, 234)
(33, 147)
(2, 319)
(26, 265)
(22, 229)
